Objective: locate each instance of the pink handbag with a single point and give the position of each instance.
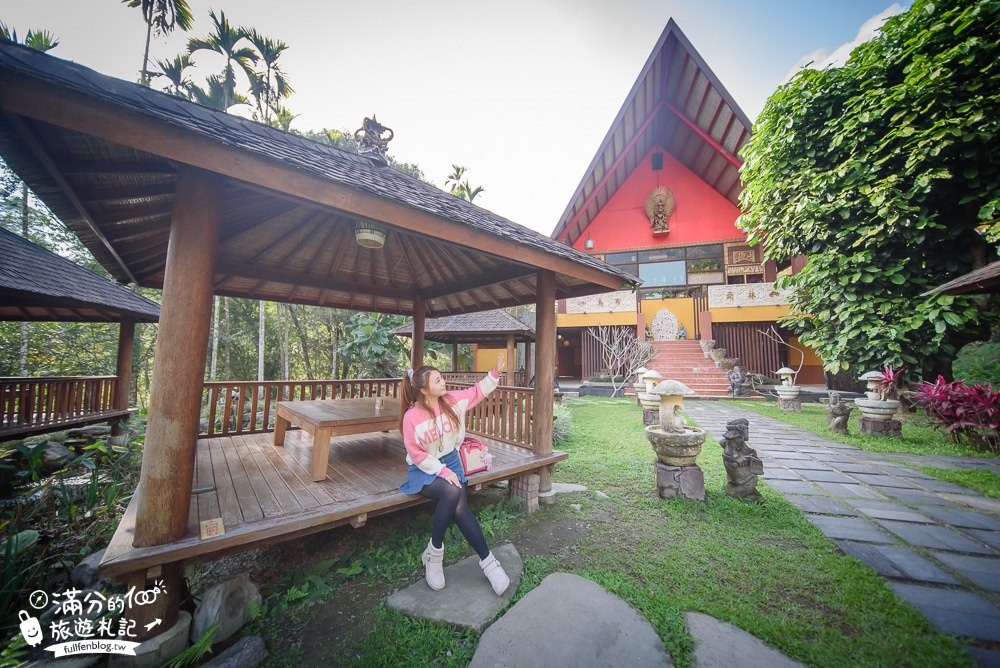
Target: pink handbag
(475, 455)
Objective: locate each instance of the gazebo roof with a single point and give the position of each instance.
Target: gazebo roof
(37, 284)
(104, 154)
(678, 103)
(483, 327)
(985, 280)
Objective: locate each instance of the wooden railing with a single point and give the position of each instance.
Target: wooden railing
(29, 404)
(476, 376)
(247, 407)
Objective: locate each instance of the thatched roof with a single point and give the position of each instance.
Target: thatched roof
(36, 284)
(985, 280)
(678, 103)
(104, 155)
(486, 327)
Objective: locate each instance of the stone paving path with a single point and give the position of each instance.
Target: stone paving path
(937, 543)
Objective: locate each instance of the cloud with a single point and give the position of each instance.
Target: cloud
(821, 58)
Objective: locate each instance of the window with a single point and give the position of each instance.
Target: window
(673, 271)
(620, 258)
(662, 273)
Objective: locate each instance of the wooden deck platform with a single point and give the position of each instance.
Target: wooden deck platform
(264, 493)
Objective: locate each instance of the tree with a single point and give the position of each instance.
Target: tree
(225, 41)
(215, 94)
(161, 16)
(269, 84)
(459, 184)
(175, 72)
(622, 353)
(39, 40)
(884, 172)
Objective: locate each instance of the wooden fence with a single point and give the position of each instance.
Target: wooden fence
(37, 404)
(475, 377)
(247, 407)
(757, 354)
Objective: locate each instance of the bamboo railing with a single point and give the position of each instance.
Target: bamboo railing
(37, 404)
(247, 407)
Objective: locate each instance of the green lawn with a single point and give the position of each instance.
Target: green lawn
(984, 482)
(764, 567)
(919, 437)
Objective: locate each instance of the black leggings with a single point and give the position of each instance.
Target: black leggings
(453, 504)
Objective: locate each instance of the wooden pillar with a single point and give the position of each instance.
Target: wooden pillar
(528, 372)
(126, 338)
(454, 357)
(545, 362)
(163, 496)
(417, 354)
(511, 366)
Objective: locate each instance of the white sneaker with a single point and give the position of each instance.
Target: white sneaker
(495, 573)
(433, 568)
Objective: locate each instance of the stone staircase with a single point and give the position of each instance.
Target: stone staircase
(685, 361)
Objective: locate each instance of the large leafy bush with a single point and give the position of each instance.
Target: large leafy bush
(966, 412)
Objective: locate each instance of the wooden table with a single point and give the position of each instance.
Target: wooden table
(324, 419)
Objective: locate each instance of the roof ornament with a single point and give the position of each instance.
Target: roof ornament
(659, 206)
(372, 141)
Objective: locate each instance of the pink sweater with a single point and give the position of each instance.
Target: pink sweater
(429, 437)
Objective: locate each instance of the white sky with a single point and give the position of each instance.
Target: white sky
(520, 92)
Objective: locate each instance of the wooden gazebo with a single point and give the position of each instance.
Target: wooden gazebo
(495, 328)
(170, 194)
(38, 285)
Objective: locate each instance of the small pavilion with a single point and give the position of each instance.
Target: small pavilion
(492, 329)
(169, 194)
(38, 285)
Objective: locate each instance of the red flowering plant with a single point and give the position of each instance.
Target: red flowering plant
(891, 384)
(966, 413)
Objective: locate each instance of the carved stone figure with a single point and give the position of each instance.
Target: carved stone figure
(739, 386)
(665, 325)
(372, 141)
(838, 413)
(741, 461)
(659, 206)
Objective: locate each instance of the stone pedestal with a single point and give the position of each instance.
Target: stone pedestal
(870, 427)
(687, 482)
(650, 417)
(790, 405)
(526, 487)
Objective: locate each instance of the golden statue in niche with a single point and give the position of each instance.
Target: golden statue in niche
(659, 206)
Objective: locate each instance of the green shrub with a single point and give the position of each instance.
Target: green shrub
(978, 362)
(562, 422)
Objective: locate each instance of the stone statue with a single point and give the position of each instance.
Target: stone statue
(838, 413)
(741, 461)
(372, 140)
(682, 333)
(738, 383)
(659, 206)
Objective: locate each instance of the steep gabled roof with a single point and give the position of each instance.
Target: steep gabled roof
(483, 327)
(36, 284)
(982, 281)
(679, 104)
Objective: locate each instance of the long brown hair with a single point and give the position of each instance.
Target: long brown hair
(410, 395)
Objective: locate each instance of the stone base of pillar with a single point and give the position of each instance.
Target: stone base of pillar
(687, 482)
(650, 417)
(790, 405)
(871, 427)
(526, 487)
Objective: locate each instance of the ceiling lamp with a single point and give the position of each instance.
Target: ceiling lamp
(369, 235)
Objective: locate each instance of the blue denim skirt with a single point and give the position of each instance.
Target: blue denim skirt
(417, 479)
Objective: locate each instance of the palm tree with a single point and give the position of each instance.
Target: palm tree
(173, 70)
(162, 16)
(282, 118)
(459, 184)
(224, 41)
(216, 95)
(268, 83)
(39, 40)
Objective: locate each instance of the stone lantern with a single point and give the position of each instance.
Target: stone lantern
(788, 391)
(877, 412)
(873, 380)
(676, 445)
(639, 384)
(650, 403)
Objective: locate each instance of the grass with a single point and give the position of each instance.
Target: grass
(918, 438)
(984, 482)
(762, 567)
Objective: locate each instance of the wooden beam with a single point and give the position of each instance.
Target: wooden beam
(29, 97)
(125, 193)
(417, 352)
(91, 167)
(164, 493)
(37, 146)
(273, 212)
(278, 275)
(716, 146)
(545, 362)
(511, 359)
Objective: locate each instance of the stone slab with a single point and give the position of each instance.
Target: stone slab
(858, 468)
(779, 473)
(563, 488)
(977, 502)
(962, 518)
(958, 612)
(984, 658)
(826, 476)
(885, 480)
(984, 571)
(819, 504)
(717, 644)
(159, 649)
(568, 620)
(991, 538)
(933, 536)
(850, 491)
(467, 601)
(886, 510)
(792, 487)
(850, 528)
(893, 561)
(917, 497)
(806, 465)
(935, 485)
